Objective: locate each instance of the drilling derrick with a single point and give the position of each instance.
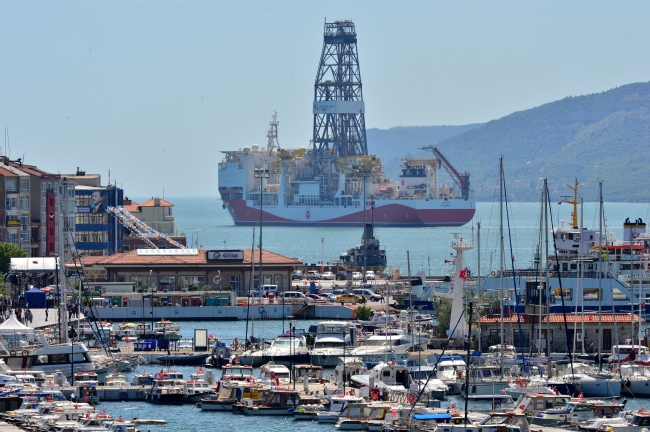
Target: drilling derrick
(339, 123)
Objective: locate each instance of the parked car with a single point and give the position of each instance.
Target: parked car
(313, 274)
(356, 276)
(341, 275)
(328, 275)
(325, 289)
(317, 298)
(296, 295)
(349, 298)
(370, 275)
(367, 294)
(297, 275)
(331, 298)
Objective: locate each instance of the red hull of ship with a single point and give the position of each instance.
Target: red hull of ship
(391, 215)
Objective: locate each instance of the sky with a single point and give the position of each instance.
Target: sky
(152, 91)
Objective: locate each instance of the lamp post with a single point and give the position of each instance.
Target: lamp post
(261, 172)
(364, 173)
(429, 265)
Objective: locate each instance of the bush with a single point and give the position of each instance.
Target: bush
(192, 287)
(363, 313)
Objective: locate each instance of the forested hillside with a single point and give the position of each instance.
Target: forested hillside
(604, 136)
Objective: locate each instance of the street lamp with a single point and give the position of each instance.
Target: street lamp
(364, 173)
(261, 172)
(151, 299)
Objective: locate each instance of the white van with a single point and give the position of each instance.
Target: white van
(366, 294)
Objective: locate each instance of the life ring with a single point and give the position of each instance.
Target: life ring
(564, 274)
(307, 214)
(123, 395)
(410, 399)
(12, 353)
(402, 182)
(133, 313)
(455, 414)
(141, 394)
(25, 353)
(493, 272)
(275, 309)
(218, 311)
(261, 309)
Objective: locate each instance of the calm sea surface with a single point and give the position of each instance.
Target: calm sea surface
(428, 248)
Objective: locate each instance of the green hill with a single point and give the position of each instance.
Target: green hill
(604, 136)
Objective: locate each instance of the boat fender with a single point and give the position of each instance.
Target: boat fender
(462, 388)
(25, 353)
(493, 272)
(565, 274)
(141, 394)
(123, 395)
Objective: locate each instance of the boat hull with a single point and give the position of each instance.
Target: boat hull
(636, 388)
(217, 406)
(387, 213)
(605, 388)
(183, 360)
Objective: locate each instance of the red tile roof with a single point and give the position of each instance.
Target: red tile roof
(133, 259)
(624, 318)
(151, 203)
(132, 207)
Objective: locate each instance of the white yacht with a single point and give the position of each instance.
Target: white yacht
(332, 337)
(384, 348)
(287, 348)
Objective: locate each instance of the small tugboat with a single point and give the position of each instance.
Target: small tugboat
(232, 393)
(280, 401)
(164, 391)
(375, 257)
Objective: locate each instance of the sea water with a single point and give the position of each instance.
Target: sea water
(207, 225)
(190, 418)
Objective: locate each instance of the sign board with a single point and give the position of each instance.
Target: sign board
(13, 223)
(229, 255)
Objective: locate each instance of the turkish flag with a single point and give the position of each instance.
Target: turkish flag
(463, 274)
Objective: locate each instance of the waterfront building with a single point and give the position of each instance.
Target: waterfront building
(624, 325)
(185, 270)
(157, 214)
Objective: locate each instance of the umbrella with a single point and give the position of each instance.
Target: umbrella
(47, 289)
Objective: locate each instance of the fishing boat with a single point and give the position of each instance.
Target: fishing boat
(164, 391)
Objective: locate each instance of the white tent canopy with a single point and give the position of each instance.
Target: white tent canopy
(34, 264)
(12, 325)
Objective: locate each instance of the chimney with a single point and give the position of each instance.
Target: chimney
(156, 202)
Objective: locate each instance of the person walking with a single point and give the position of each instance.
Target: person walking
(46, 314)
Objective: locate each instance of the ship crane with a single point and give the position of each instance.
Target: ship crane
(461, 180)
(139, 228)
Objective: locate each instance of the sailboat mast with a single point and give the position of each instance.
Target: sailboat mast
(539, 288)
(581, 291)
(63, 314)
(600, 272)
(548, 293)
(501, 264)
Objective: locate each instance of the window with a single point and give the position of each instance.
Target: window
(41, 359)
(278, 281)
(43, 187)
(24, 185)
(11, 186)
(24, 203)
(58, 358)
(11, 203)
(43, 202)
(234, 282)
(77, 357)
(24, 220)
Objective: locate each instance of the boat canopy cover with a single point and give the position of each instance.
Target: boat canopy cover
(434, 416)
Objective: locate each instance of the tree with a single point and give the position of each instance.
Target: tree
(363, 313)
(8, 251)
(443, 314)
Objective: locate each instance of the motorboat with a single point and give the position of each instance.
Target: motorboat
(230, 393)
(196, 389)
(279, 401)
(164, 391)
(184, 359)
(384, 348)
(483, 380)
(338, 404)
(450, 368)
(577, 410)
(220, 355)
(287, 348)
(115, 379)
(639, 422)
(332, 338)
(86, 391)
(274, 374)
(635, 379)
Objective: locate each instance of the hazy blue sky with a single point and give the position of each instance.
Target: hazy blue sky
(153, 90)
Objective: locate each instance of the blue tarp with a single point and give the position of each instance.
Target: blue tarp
(440, 416)
(35, 298)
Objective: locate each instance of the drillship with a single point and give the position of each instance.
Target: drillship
(335, 182)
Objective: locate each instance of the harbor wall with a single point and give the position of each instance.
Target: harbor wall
(224, 313)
